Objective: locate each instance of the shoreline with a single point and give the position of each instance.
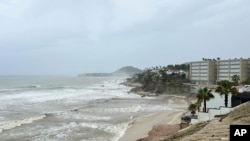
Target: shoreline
(141, 127)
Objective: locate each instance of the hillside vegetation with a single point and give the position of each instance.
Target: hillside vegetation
(161, 80)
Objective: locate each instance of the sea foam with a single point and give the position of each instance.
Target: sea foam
(5, 125)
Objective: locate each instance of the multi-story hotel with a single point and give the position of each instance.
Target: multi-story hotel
(203, 72)
(211, 71)
(228, 68)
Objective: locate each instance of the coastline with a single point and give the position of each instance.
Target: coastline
(141, 127)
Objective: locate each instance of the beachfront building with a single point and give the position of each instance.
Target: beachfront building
(208, 72)
(203, 72)
(228, 68)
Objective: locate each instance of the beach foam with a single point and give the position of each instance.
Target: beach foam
(119, 130)
(5, 125)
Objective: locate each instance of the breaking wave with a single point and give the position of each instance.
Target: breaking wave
(6, 125)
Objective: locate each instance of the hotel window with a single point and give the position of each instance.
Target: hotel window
(224, 63)
(224, 74)
(195, 71)
(204, 63)
(235, 66)
(223, 71)
(195, 67)
(203, 78)
(223, 67)
(195, 74)
(204, 67)
(235, 62)
(195, 78)
(235, 70)
(204, 74)
(203, 71)
(223, 78)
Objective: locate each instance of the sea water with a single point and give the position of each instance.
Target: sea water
(41, 108)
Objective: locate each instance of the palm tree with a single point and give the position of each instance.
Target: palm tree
(204, 95)
(192, 107)
(225, 87)
(199, 101)
(236, 79)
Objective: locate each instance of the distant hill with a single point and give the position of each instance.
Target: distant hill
(96, 74)
(128, 70)
(124, 71)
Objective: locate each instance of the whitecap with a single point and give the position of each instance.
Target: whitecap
(6, 125)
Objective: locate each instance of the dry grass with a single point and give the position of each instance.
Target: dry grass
(185, 132)
(239, 114)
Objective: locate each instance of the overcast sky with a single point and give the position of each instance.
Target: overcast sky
(79, 36)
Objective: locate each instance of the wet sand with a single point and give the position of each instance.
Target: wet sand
(141, 127)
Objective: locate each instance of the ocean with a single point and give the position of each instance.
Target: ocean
(65, 108)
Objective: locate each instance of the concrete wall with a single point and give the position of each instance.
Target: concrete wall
(211, 114)
(217, 101)
(225, 110)
(203, 116)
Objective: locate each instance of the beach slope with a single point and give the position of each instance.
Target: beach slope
(141, 127)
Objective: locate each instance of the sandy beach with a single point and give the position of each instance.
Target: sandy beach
(141, 127)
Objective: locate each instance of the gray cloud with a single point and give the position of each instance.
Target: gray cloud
(70, 37)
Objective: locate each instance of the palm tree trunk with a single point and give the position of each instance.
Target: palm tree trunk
(205, 106)
(226, 100)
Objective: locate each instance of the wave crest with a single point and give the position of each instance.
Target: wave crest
(6, 125)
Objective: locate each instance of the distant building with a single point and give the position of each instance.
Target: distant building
(228, 68)
(209, 72)
(203, 72)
